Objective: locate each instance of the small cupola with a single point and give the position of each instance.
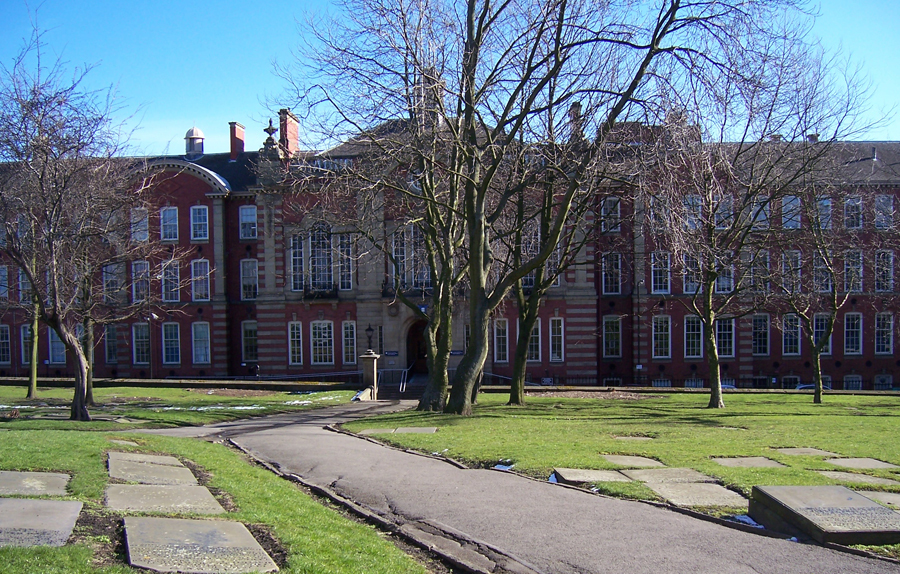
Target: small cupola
(193, 143)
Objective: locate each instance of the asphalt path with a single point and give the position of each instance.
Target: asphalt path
(501, 522)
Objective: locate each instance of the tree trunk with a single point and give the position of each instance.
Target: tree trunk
(79, 410)
(89, 353)
(469, 369)
(712, 360)
(33, 365)
(439, 345)
(528, 313)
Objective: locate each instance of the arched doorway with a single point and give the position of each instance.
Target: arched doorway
(416, 351)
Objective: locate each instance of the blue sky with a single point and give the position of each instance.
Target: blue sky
(205, 63)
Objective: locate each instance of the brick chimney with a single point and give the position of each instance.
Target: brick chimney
(237, 140)
(288, 132)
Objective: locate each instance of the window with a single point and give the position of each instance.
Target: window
(823, 212)
(4, 282)
(322, 341)
(140, 225)
(112, 275)
(168, 224)
(249, 342)
(724, 214)
(533, 352)
(140, 281)
(345, 252)
(791, 268)
(296, 255)
(610, 216)
(531, 244)
(852, 382)
(853, 271)
(662, 339)
(57, 350)
(199, 223)
(883, 382)
(659, 272)
(171, 344)
(200, 280)
(467, 336)
(111, 344)
(557, 342)
(295, 343)
(612, 337)
(247, 215)
(759, 272)
(884, 212)
(790, 342)
(693, 212)
(24, 287)
(822, 276)
(884, 334)
(853, 213)
(5, 346)
(611, 264)
(693, 337)
(725, 337)
(692, 276)
(25, 337)
(884, 271)
(419, 273)
(249, 279)
(320, 259)
(853, 334)
(790, 212)
(140, 343)
(349, 342)
(170, 280)
(501, 341)
(200, 344)
(760, 335)
(725, 275)
(760, 213)
(821, 325)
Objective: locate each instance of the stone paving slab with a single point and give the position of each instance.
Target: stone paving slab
(416, 430)
(749, 462)
(162, 498)
(697, 494)
(376, 431)
(582, 475)
(860, 463)
(891, 498)
(805, 451)
(827, 513)
(633, 461)
(668, 475)
(33, 483)
(856, 477)
(123, 442)
(27, 522)
(633, 438)
(144, 473)
(117, 456)
(194, 546)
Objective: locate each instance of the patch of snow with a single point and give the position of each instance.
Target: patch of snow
(504, 466)
(298, 403)
(744, 519)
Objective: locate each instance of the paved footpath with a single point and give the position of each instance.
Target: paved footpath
(539, 527)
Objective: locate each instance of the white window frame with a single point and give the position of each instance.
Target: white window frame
(321, 259)
(5, 346)
(693, 337)
(321, 341)
(693, 212)
(790, 327)
(853, 334)
(56, 349)
(790, 212)
(171, 277)
(884, 271)
(884, 212)
(660, 273)
(140, 281)
(534, 343)
(168, 224)
(823, 279)
(823, 212)
(852, 382)
(25, 287)
(201, 343)
(884, 333)
(792, 271)
(348, 342)
(140, 343)
(4, 282)
(611, 269)
(819, 324)
(724, 277)
(760, 333)
(345, 262)
(200, 283)
(691, 278)
(612, 333)
(170, 334)
(557, 340)
(25, 342)
(760, 272)
(610, 215)
(249, 279)
(246, 355)
(247, 222)
(662, 337)
(199, 223)
(140, 225)
(853, 217)
(111, 344)
(501, 340)
(725, 338)
(724, 214)
(295, 254)
(853, 271)
(295, 343)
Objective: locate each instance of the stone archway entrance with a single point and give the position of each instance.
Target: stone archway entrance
(416, 352)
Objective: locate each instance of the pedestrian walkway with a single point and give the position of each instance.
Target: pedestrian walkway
(495, 521)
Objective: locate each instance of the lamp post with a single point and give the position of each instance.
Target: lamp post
(369, 332)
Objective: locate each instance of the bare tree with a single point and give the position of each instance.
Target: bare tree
(74, 213)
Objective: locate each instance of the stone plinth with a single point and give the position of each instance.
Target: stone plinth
(825, 513)
(697, 494)
(162, 498)
(581, 475)
(668, 475)
(633, 461)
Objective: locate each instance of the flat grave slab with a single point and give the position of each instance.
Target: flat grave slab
(117, 456)
(805, 451)
(376, 431)
(697, 494)
(195, 546)
(748, 462)
(123, 442)
(668, 475)
(28, 522)
(582, 475)
(633, 461)
(633, 438)
(860, 463)
(33, 483)
(162, 498)
(826, 513)
(890, 498)
(416, 430)
(150, 473)
(856, 477)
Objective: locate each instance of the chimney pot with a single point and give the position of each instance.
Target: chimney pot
(237, 140)
(289, 132)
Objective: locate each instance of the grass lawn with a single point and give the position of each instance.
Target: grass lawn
(313, 537)
(572, 432)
